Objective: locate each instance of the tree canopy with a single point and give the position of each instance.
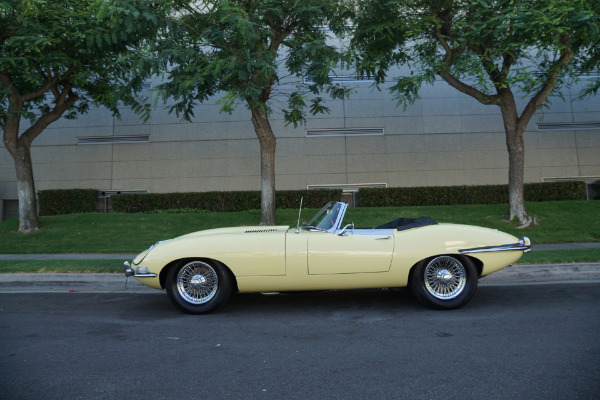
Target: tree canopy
(271, 55)
(492, 50)
(56, 59)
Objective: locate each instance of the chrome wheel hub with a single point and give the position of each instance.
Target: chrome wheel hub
(197, 282)
(445, 277)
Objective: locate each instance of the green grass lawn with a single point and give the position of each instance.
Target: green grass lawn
(557, 222)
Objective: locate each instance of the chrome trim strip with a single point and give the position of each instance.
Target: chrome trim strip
(144, 276)
(523, 245)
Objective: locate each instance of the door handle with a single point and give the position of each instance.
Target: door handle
(383, 238)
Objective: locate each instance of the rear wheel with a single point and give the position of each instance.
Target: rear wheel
(198, 287)
(444, 282)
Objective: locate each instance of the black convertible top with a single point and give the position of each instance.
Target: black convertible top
(402, 224)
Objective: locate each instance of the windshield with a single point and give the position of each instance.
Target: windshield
(326, 218)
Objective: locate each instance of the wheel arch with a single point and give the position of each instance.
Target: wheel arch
(165, 271)
(478, 263)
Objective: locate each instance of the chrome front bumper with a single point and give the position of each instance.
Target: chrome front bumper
(138, 272)
(523, 245)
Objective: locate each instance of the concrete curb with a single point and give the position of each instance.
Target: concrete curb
(117, 283)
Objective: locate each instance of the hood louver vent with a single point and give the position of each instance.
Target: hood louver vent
(261, 231)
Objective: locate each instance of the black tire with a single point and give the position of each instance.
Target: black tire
(198, 287)
(444, 282)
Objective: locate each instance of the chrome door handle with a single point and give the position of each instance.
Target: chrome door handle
(383, 238)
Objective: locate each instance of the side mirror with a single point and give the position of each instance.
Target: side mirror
(343, 231)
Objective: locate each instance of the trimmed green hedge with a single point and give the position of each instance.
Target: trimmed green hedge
(219, 201)
(67, 201)
(451, 195)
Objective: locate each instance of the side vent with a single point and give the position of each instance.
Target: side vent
(113, 139)
(345, 132)
(261, 231)
(567, 126)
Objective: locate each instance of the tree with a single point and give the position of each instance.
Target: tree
(247, 52)
(491, 50)
(57, 58)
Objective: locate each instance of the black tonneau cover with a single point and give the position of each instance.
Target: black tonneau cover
(402, 224)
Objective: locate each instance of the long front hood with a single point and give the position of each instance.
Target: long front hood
(240, 230)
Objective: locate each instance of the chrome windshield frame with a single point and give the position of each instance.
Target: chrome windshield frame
(335, 206)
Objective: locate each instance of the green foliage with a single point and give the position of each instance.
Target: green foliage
(67, 201)
(218, 201)
(251, 52)
(453, 195)
(83, 50)
(489, 45)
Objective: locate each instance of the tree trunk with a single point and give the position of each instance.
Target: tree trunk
(514, 129)
(21, 154)
(268, 143)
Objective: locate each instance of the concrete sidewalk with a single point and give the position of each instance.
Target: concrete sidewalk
(117, 283)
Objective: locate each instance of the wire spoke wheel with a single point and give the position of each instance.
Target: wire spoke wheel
(445, 277)
(197, 282)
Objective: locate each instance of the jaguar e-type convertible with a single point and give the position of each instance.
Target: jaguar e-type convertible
(440, 262)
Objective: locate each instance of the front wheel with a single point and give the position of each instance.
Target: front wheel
(444, 282)
(198, 287)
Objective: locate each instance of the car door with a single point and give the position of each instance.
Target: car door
(357, 251)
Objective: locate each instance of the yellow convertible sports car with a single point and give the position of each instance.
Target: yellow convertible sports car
(440, 262)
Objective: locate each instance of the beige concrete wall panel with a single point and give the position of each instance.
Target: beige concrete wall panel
(361, 163)
(542, 117)
(481, 123)
(589, 138)
(405, 143)
(7, 173)
(589, 170)
(368, 177)
(587, 116)
(294, 147)
(221, 130)
(131, 151)
(200, 149)
(207, 167)
(400, 162)
(129, 117)
(95, 153)
(69, 136)
(93, 171)
(375, 144)
(447, 142)
(54, 154)
(163, 151)
(243, 166)
(443, 107)
(98, 117)
(244, 148)
(442, 124)
(326, 178)
(125, 184)
(444, 161)
(437, 90)
(330, 164)
(290, 165)
(241, 183)
(290, 182)
(212, 113)
(588, 156)
(550, 157)
(485, 159)
(55, 171)
(407, 178)
(364, 108)
(485, 141)
(589, 106)
(8, 190)
(467, 105)
(364, 122)
(486, 176)
(131, 130)
(178, 132)
(391, 108)
(449, 177)
(318, 146)
(135, 169)
(549, 140)
(536, 174)
(325, 121)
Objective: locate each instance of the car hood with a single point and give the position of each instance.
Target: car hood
(240, 230)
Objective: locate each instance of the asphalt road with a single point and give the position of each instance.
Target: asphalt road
(510, 342)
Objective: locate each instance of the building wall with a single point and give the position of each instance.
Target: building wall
(445, 138)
